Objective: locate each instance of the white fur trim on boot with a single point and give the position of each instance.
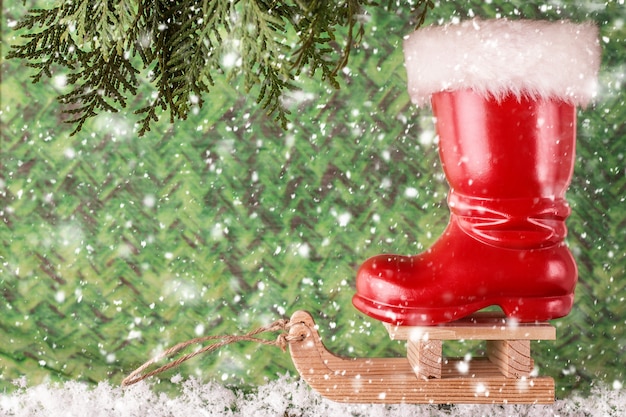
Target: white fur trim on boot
(539, 59)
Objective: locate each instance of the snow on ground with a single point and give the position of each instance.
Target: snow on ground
(285, 397)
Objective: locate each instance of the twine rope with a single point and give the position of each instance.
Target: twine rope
(281, 341)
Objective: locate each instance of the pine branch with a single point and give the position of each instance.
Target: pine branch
(183, 44)
(49, 47)
(105, 80)
(317, 32)
(421, 11)
(263, 36)
(87, 39)
(184, 56)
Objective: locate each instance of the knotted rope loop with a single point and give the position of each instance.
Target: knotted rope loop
(281, 341)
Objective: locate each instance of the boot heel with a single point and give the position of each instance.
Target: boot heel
(538, 308)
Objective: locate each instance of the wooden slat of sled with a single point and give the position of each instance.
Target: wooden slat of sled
(487, 326)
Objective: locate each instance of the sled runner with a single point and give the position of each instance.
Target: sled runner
(425, 376)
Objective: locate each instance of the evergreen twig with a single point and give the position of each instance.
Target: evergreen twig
(181, 45)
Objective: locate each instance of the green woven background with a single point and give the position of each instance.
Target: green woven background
(114, 247)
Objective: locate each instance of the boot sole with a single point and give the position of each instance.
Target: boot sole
(524, 310)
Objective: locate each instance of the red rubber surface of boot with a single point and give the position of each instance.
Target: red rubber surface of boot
(508, 163)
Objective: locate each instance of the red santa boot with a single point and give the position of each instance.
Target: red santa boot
(504, 96)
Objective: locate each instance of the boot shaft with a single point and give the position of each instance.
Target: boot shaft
(509, 162)
(505, 149)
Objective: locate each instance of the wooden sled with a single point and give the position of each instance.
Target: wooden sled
(424, 376)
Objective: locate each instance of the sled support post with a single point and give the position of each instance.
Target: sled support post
(425, 357)
(503, 376)
(508, 342)
(512, 357)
